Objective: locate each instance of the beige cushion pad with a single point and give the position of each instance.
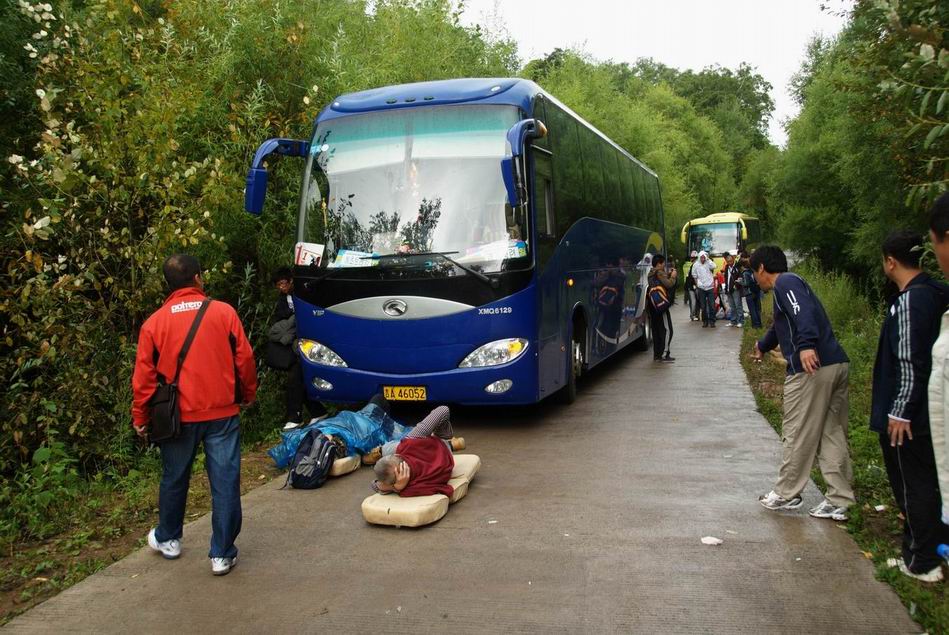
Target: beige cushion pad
(415, 511)
(345, 465)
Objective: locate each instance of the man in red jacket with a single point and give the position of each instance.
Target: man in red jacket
(422, 463)
(217, 376)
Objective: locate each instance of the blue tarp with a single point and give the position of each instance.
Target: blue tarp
(362, 431)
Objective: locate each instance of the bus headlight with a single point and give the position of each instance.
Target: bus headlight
(320, 354)
(495, 353)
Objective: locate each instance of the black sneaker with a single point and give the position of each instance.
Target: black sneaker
(668, 358)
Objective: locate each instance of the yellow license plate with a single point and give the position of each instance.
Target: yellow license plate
(404, 393)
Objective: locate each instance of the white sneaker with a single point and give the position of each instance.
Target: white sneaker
(828, 510)
(223, 566)
(930, 576)
(170, 549)
(774, 502)
(290, 425)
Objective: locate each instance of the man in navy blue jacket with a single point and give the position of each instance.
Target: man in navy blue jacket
(900, 412)
(816, 394)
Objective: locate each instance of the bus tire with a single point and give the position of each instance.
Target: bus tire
(575, 361)
(644, 341)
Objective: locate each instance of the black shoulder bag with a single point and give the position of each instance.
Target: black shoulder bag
(165, 413)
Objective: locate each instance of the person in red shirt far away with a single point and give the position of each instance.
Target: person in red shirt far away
(217, 377)
(422, 462)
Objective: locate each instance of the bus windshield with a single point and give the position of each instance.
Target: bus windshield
(713, 238)
(382, 186)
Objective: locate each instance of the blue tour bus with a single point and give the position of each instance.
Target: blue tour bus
(467, 241)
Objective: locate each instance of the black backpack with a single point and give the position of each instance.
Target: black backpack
(312, 462)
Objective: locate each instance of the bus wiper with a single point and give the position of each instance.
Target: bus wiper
(446, 255)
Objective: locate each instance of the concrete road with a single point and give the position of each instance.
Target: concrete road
(583, 519)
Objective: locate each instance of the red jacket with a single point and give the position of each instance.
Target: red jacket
(430, 466)
(206, 386)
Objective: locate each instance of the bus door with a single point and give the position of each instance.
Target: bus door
(550, 297)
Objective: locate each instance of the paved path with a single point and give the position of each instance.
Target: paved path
(583, 519)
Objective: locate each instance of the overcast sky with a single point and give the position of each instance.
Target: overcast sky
(771, 35)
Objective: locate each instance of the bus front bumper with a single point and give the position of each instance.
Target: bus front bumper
(463, 386)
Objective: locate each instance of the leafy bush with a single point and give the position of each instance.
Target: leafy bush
(31, 503)
(143, 121)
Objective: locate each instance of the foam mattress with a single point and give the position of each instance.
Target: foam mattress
(345, 465)
(416, 511)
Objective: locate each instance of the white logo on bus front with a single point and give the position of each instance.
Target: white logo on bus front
(498, 310)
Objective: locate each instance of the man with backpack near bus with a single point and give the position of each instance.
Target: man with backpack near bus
(900, 413)
(198, 346)
(661, 285)
(816, 392)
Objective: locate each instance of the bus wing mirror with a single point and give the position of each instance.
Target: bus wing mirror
(523, 131)
(744, 230)
(509, 174)
(517, 137)
(256, 190)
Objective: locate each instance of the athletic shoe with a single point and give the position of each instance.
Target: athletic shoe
(732, 324)
(828, 510)
(657, 359)
(290, 425)
(740, 325)
(668, 358)
(774, 502)
(223, 566)
(170, 549)
(930, 576)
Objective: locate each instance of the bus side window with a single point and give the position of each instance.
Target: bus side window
(544, 218)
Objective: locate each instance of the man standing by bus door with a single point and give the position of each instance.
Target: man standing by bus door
(217, 376)
(661, 321)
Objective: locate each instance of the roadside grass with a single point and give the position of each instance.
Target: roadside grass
(106, 519)
(878, 534)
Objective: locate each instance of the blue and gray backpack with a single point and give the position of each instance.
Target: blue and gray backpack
(312, 462)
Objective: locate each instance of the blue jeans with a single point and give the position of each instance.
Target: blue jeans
(738, 314)
(754, 308)
(222, 453)
(707, 303)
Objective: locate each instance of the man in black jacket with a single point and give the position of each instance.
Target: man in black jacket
(282, 354)
(900, 413)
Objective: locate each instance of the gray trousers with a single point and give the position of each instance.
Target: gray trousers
(816, 410)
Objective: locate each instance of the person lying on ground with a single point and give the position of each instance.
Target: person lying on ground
(356, 432)
(421, 463)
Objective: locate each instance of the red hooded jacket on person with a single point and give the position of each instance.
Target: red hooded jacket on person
(219, 356)
(430, 464)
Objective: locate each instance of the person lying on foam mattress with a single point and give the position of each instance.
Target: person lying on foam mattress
(421, 462)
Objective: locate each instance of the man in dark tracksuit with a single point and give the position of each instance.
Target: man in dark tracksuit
(816, 397)
(900, 412)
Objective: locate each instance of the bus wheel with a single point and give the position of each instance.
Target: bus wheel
(644, 341)
(569, 393)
